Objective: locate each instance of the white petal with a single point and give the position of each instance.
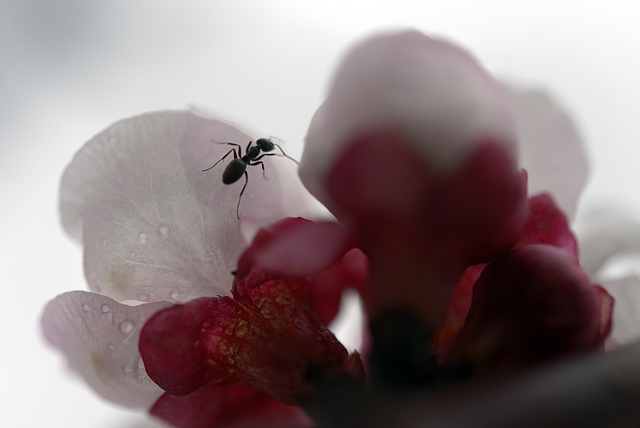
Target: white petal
(154, 226)
(432, 90)
(100, 336)
(551, 149)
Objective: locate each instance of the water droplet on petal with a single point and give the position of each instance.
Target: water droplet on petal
(111, 347)
(143, 296)
(164, 230)
(86, 308)
(174, 294)
(105, 308)
(143, 238)
(127, 369)
(126, 326)
(104, 241)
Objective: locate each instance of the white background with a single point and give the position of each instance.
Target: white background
(69, 68)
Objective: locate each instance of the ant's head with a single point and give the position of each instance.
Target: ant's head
(265, 144)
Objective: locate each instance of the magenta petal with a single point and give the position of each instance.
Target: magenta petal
(99, 337)
(168, 345)
(266, 337)
(228, 406)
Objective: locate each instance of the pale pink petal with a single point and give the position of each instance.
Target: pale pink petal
(154, 226)
(551, 148)
(99, 337)
(296, 247)
(433, 91)
(267, 199)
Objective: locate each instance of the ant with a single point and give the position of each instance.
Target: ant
(238, 165)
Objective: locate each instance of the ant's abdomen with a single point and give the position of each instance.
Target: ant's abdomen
(234, 171)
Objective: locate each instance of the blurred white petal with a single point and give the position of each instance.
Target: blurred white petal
(606, 234)
(609, 248)
(430, 89)
(99, 337)
(551, 149)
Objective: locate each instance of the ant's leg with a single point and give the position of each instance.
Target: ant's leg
(246, 180)
(266, 154)
(284, 154)
(231, 144)
(235, 156)
(259, 163)
(276, 154)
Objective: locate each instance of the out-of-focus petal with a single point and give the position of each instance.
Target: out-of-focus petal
(547, 224)
(604, 234)
(420, 230)
(551, 149)
(153, 225)
(532, 305)
(606, 304)
(458, 307)
(327, 287)
(99, 337)
(626, 316)
(228, 406)
(433, 91)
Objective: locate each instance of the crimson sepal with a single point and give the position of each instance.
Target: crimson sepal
(228, 406)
